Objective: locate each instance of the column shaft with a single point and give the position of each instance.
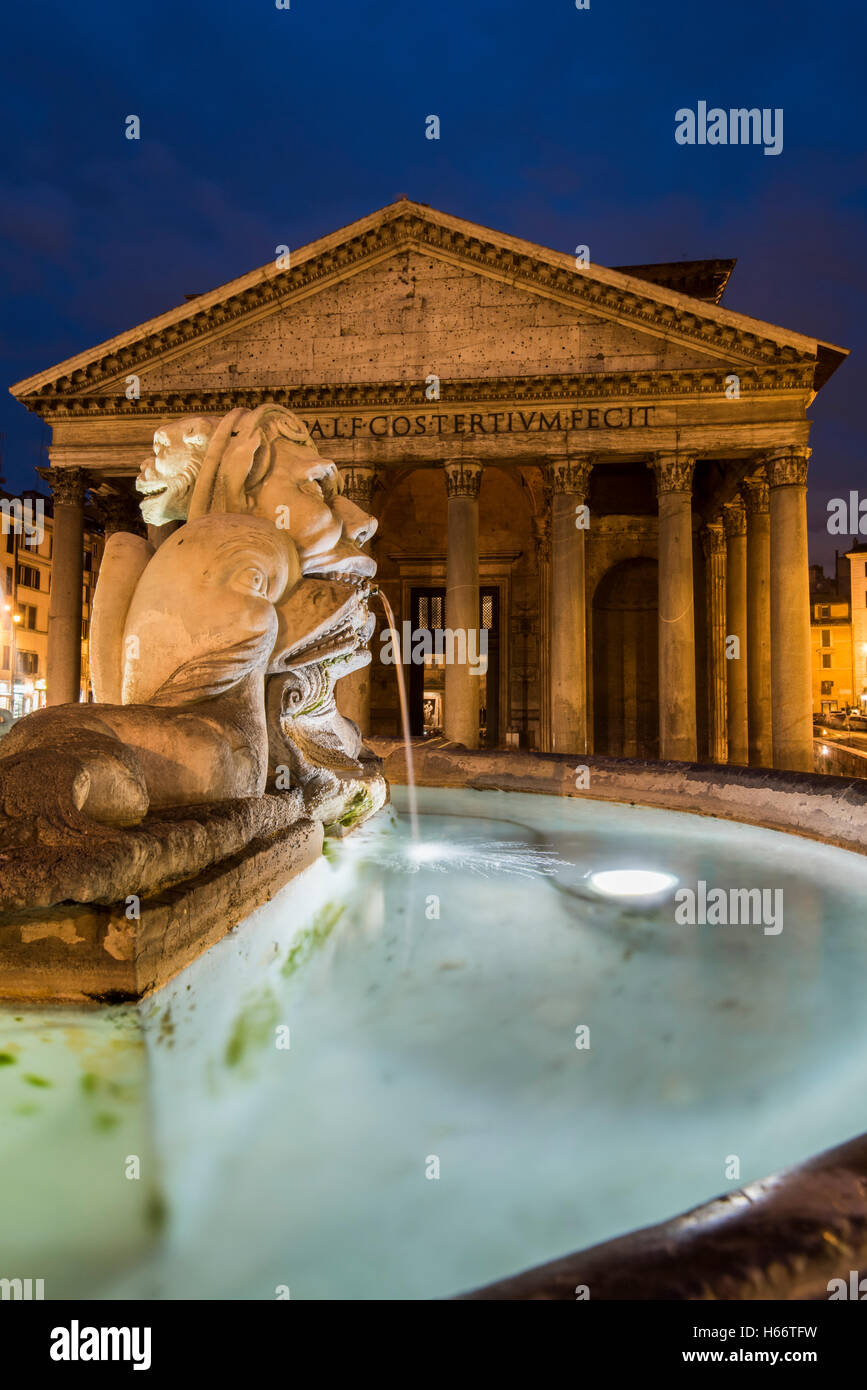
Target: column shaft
(791, 683)
(542, 530)
(755, 494)
(63, 676)
(713, 538)
(677, 718)
(568, 679)
(735, 522)
(461, 715)
(353, 691)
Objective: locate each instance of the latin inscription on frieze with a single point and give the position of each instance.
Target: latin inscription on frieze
(479, 422)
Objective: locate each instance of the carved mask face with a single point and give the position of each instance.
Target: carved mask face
(167, 479)
(301, 494)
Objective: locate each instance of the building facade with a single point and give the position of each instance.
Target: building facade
(603, 470)
(27, 545)
(857, 558)
(838, 622)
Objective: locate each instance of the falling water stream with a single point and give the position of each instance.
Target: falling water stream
(412, 799)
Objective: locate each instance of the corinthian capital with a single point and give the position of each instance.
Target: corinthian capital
(713, 539)
(734, 519)
(754, 492)
(68, 486)
(463, 478)
(359, 481)
(788, 467)
(673, 472)
(571, 474)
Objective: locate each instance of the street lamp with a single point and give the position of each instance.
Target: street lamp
(14, 619)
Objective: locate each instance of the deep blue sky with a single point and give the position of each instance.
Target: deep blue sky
(262, 127)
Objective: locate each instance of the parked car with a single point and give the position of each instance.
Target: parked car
(836, 719)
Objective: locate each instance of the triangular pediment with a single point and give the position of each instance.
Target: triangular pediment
(410, 292)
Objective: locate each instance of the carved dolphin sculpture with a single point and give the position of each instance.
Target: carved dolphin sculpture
(198, 640)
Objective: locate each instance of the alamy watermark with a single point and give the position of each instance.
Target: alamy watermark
(730, 907)
(454, 646)
(25, 519)
(737, 126)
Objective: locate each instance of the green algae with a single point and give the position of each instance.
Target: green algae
(252, 1029)
(359, 805)
(35, 1080)
(307, 941)
(7, 1059)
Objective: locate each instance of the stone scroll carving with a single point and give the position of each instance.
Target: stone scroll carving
(215, 657)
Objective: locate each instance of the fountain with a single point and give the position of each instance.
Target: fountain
(137, 830)
(349, 1055)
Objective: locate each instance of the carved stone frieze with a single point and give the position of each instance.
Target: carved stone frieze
(590, 386)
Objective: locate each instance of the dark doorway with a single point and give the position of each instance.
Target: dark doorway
(427, 679)
(626, 662)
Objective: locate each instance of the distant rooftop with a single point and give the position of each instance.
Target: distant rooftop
(701, 279)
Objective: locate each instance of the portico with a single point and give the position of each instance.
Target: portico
(605, 470)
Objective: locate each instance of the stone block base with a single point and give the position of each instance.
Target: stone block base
(92, 953)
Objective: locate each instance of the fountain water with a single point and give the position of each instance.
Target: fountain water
(412, 799)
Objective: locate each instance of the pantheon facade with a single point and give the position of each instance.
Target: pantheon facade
(603, 470)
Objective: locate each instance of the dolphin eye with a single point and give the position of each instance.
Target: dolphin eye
(252, 580)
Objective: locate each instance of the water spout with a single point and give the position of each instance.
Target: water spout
(404, 715)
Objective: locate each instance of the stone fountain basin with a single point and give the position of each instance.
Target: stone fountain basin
(373, 1090)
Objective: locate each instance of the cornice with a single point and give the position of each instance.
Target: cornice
(412, 230)
(392, 395)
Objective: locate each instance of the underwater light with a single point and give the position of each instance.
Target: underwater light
(632, 883)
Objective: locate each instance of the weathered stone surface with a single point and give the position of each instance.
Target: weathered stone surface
(831, 809)
(785, 1237)
(96, 953)
(405, 316)
(105, 865)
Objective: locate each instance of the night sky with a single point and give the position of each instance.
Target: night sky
(262, 127)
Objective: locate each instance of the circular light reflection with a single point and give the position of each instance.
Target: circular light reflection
(632, 883)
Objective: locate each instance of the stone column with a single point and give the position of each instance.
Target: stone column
(353, 692)
(677, 721)
(714, 544)
(63, 676)
(542, 538)
(791, 681)
(570, 480)
(756, 502)
(735, 523)
(463, 482)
